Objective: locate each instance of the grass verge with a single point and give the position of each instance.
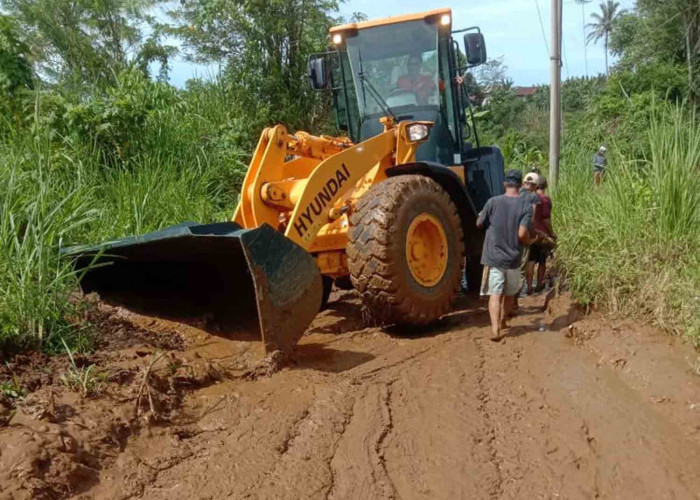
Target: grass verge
(632, 245)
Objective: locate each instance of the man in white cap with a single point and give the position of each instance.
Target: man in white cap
(528, 193)
(529, 189)
(599, 164)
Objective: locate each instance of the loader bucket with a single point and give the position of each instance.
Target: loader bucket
(240, 279)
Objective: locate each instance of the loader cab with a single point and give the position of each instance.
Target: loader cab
(407, 66)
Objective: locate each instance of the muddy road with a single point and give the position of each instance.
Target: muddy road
(606, 409)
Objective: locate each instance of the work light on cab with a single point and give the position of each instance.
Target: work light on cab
(418, 132)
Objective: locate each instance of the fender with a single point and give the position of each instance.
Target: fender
(452, 184)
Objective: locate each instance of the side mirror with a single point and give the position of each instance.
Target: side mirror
(317, 73)
(475, 47)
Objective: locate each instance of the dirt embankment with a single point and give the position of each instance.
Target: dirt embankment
(604, 409)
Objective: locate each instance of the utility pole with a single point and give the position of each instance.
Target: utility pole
(555, 120)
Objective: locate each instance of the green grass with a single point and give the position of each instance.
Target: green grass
(57, 191)
(632, 245)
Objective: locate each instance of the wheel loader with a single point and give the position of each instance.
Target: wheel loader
(388, 207)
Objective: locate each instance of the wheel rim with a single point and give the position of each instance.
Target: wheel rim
(426, 249)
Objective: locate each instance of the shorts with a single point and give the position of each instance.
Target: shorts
(502, 282)
(538, 254)
(525, 257)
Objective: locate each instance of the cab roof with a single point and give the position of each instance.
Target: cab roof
(391, 20)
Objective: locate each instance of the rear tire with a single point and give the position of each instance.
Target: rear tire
(399, 284)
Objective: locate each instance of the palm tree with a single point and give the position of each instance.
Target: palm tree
(583, 3)
(603, 24)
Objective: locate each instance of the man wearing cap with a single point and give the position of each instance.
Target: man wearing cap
(529, 189)
(599, 164)
(507, 219)
(529, 193)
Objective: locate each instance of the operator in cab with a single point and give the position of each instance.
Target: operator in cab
(420, 84)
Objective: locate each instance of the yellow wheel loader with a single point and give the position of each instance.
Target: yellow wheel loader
(391, 205)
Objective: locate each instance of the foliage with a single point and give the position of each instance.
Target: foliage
(72, 187)
(603, 25)
(15, 66)
(660, 33)
(631, 244)
(578, 94)
(12, 388)
(88, 41)
(83, 379)
(492, 74)
(111, 121)
(264, 46)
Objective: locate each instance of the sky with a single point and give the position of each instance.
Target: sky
(511, 27)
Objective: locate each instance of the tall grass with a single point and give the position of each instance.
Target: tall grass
(39, 208)
(632, 245)
(56, 191)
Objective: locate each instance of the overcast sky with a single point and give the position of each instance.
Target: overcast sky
(511, 27)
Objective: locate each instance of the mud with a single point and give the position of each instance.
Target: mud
(589, 407)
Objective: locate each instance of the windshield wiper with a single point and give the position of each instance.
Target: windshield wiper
(373, 92)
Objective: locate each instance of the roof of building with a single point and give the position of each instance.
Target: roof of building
(525, 91)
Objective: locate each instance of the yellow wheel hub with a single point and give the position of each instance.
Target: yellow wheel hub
(426, 249)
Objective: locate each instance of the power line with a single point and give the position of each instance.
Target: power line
(544, 36)
(566, 62)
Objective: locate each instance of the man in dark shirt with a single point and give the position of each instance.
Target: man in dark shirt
(507, 219)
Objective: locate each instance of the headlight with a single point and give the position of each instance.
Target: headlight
(417, 132)
(337, 39)
(445, 19)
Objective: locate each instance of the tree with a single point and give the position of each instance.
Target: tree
(603, 25)
(88, 41)
(492, 74)
(15, 66)
(583, 3)
(660, 33)
(263, 46)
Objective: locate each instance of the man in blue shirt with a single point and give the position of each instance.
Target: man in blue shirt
(507, 219)
(599, 164)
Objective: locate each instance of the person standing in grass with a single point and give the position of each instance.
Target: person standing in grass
(544, 238)
(507, 219)
(600, 162)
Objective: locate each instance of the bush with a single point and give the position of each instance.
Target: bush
(125, 161)
(632, 244)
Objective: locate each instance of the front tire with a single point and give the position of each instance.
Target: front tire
(405, 251)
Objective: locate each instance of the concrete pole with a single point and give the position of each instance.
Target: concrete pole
(555, 94)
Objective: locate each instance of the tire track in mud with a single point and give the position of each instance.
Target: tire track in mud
(440, 416)
(496, 488)
(385, 481)
(310, 450)
(358, 463)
